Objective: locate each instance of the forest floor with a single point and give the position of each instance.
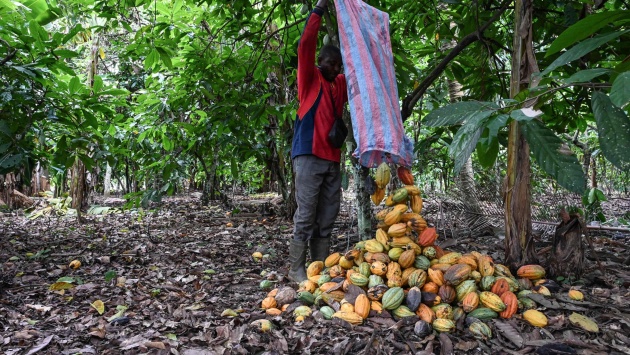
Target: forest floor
(163, 279)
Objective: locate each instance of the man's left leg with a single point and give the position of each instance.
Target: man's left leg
(327, 210)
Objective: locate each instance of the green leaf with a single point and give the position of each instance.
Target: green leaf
(6, 129)
(39, 11)
(126, 26)
(142, 136)
(613, 128)
(487, 150)
(600, 195)
(151, 59)
(35, 30)
(90, 119)
(98, 83)
(68, 279)
(620, 92)
(581, 49)
(73, 32)
(584, 28)
(591, 196)
(10, 160)
(74, 86)
(65, 53)
(114, 92)
(466, 138)
(165, 57)
(586, 75)
(6, 4)
(495, 124)
(110, 275)
(525, 114)
(458, 112)
(234, 167)
(547, 150)
(167, 143)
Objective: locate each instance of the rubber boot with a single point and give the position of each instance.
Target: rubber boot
(297, 257)
(320, 248)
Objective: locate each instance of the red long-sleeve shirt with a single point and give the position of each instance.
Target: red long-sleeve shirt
(315, 114)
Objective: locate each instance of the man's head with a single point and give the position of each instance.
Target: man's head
(329, 62)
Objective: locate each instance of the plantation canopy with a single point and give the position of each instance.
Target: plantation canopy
(372, 91)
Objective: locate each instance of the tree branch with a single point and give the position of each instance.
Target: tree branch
(410, 101)
(10, 55)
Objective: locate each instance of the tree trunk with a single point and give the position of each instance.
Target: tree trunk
(519, 244)
(568, 247)
(594, 172)
(37, 186)
(364, 203)
(108, 181)
(127, 177)
(207, 182)
(78, 187)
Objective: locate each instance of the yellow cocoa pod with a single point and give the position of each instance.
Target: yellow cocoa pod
(576, 295)
(443, 325)
(382, 238)
(416, 203)
(393, 269)
(535, 318)
(350, 317)
(412, 190)
(400, 242)
(380, 215)
(450, 258)
(307, 285)
(268, 302)
(347, 307)
(378, 196)
(401, 207)
(392, 217)
(315, 268)
(362, 306)
(397, 230)
(376, 306)
(332, 259)
(486, 265)
(273, 312)
(345, 263)
(383, 175)
(408, 216)
(492, 301)
(373, 246)
(264, 325)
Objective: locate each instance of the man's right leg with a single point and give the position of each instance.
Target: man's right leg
(307, 185)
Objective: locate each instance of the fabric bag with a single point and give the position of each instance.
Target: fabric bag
(373, 100)
(338, 132)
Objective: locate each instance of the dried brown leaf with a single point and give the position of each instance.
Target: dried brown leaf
(510, 332)
(446, 345)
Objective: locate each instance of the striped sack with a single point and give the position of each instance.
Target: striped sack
(372, 91)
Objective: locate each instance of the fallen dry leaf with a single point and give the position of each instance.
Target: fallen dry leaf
(584, 322)
(99, 306)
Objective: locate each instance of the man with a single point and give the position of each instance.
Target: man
(322, 95)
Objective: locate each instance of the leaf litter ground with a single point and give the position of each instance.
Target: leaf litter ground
(166, 277)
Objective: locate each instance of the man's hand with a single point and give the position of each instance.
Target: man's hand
(322, 4)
